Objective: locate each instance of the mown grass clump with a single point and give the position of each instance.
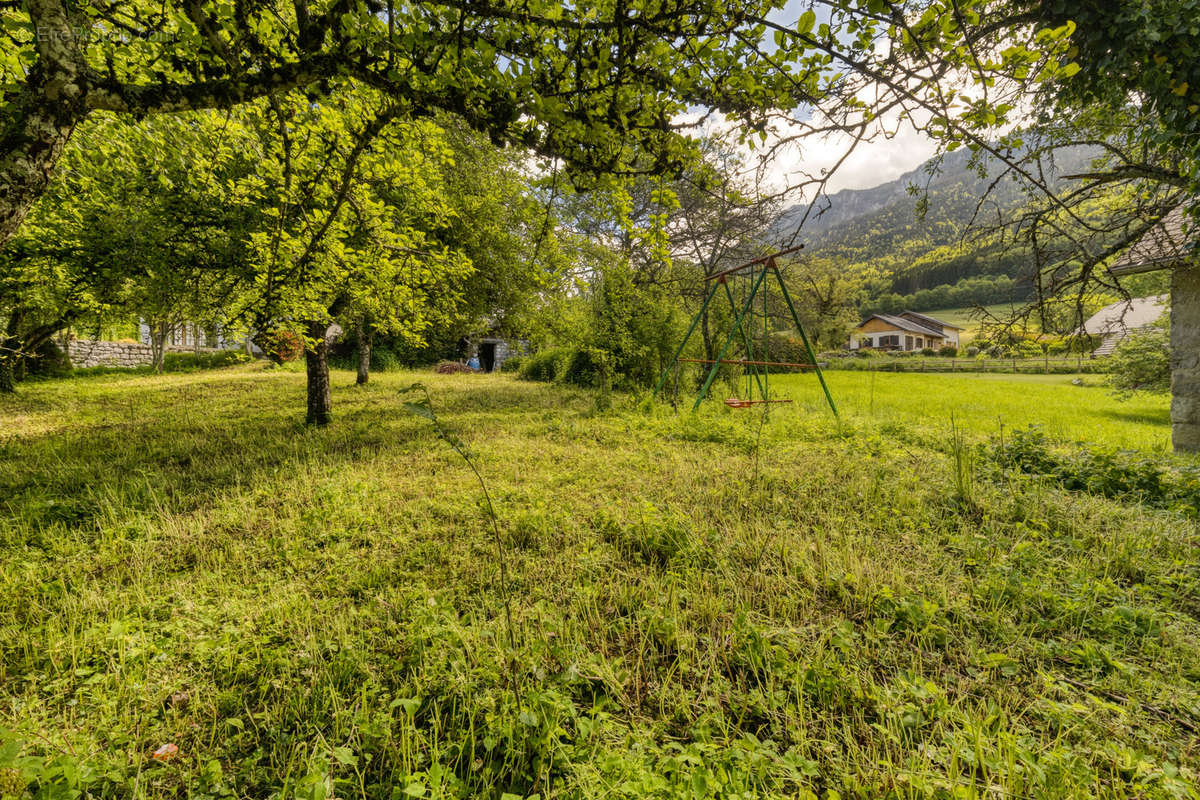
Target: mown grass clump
(809, 610)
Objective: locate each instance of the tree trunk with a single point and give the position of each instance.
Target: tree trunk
(1185, 358)
(364, 335)
(158, 345)
(46, 112)
(704, 332)
(8, 383)
(10, 351)
(316, 362)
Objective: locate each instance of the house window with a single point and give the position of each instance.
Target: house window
(908, 343)
(889, 341)
(920, 342)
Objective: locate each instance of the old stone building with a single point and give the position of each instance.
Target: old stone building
(1172, 245)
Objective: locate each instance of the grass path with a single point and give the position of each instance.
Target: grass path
(703, 608)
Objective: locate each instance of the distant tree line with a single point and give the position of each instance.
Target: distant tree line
(980, 290)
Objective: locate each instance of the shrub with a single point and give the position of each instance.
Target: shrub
(187, 362)
(972, 351)
(48, 361)
(1141, 362)
(584, 367)
(948, 350)
(1026, 349)
(928, 351)
(283, 345)
(1110, 473)
(512, 364)
(545, 365)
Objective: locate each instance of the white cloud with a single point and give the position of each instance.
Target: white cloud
(872, 163)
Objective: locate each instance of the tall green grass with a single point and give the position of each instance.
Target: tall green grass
(706, 605)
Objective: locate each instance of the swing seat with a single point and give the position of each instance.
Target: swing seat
(737, 402)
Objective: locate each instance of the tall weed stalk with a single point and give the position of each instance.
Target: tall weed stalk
(964, 465)
(423, 407)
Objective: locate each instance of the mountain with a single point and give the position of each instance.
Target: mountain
(881, 228)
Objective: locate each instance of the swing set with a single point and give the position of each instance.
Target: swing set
(757, 361)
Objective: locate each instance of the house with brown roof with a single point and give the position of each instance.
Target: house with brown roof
(905, 331)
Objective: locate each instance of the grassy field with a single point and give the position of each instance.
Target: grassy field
(709, 605)
(968, 317)
(990, 403)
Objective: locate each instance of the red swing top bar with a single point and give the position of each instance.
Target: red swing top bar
(716, 276)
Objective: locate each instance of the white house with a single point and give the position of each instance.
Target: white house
(907, 330)
(1116, 321)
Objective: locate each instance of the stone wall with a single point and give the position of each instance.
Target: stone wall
(90, 353)
(505, 349)
(1185, 358)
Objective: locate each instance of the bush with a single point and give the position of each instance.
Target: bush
(1110, 473)
(188, 362)
(1028, 349)
(948, 350)
(283, 345)
(545, 365)
(584, 367)
(47, 361)
(512, 364)
(1141, 362)
(928, 351)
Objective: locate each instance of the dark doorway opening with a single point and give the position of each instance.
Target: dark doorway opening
(487, 356)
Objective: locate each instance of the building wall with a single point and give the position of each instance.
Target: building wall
(505, 349)
(872, 338)
(1185, 358)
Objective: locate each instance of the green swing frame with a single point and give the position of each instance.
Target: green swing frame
(756, 271)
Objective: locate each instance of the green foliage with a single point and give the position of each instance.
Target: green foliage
(967, 292)
(283, 345)
(1127, 475)
(183, 362)
(1141, 362)
(546, 365)
(634, 328)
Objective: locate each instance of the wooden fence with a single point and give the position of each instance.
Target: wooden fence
(1045, 365)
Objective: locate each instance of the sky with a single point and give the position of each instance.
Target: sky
(872, 163)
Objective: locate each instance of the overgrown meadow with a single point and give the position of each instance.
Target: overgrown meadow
(896, 604)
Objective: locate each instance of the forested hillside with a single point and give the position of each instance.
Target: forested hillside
(915, 231)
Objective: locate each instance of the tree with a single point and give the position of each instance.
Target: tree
(1134, 96)
(352, 201)
(138, 221)
(597, 87)
(826, 294)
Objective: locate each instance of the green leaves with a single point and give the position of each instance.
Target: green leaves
(806, 22)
